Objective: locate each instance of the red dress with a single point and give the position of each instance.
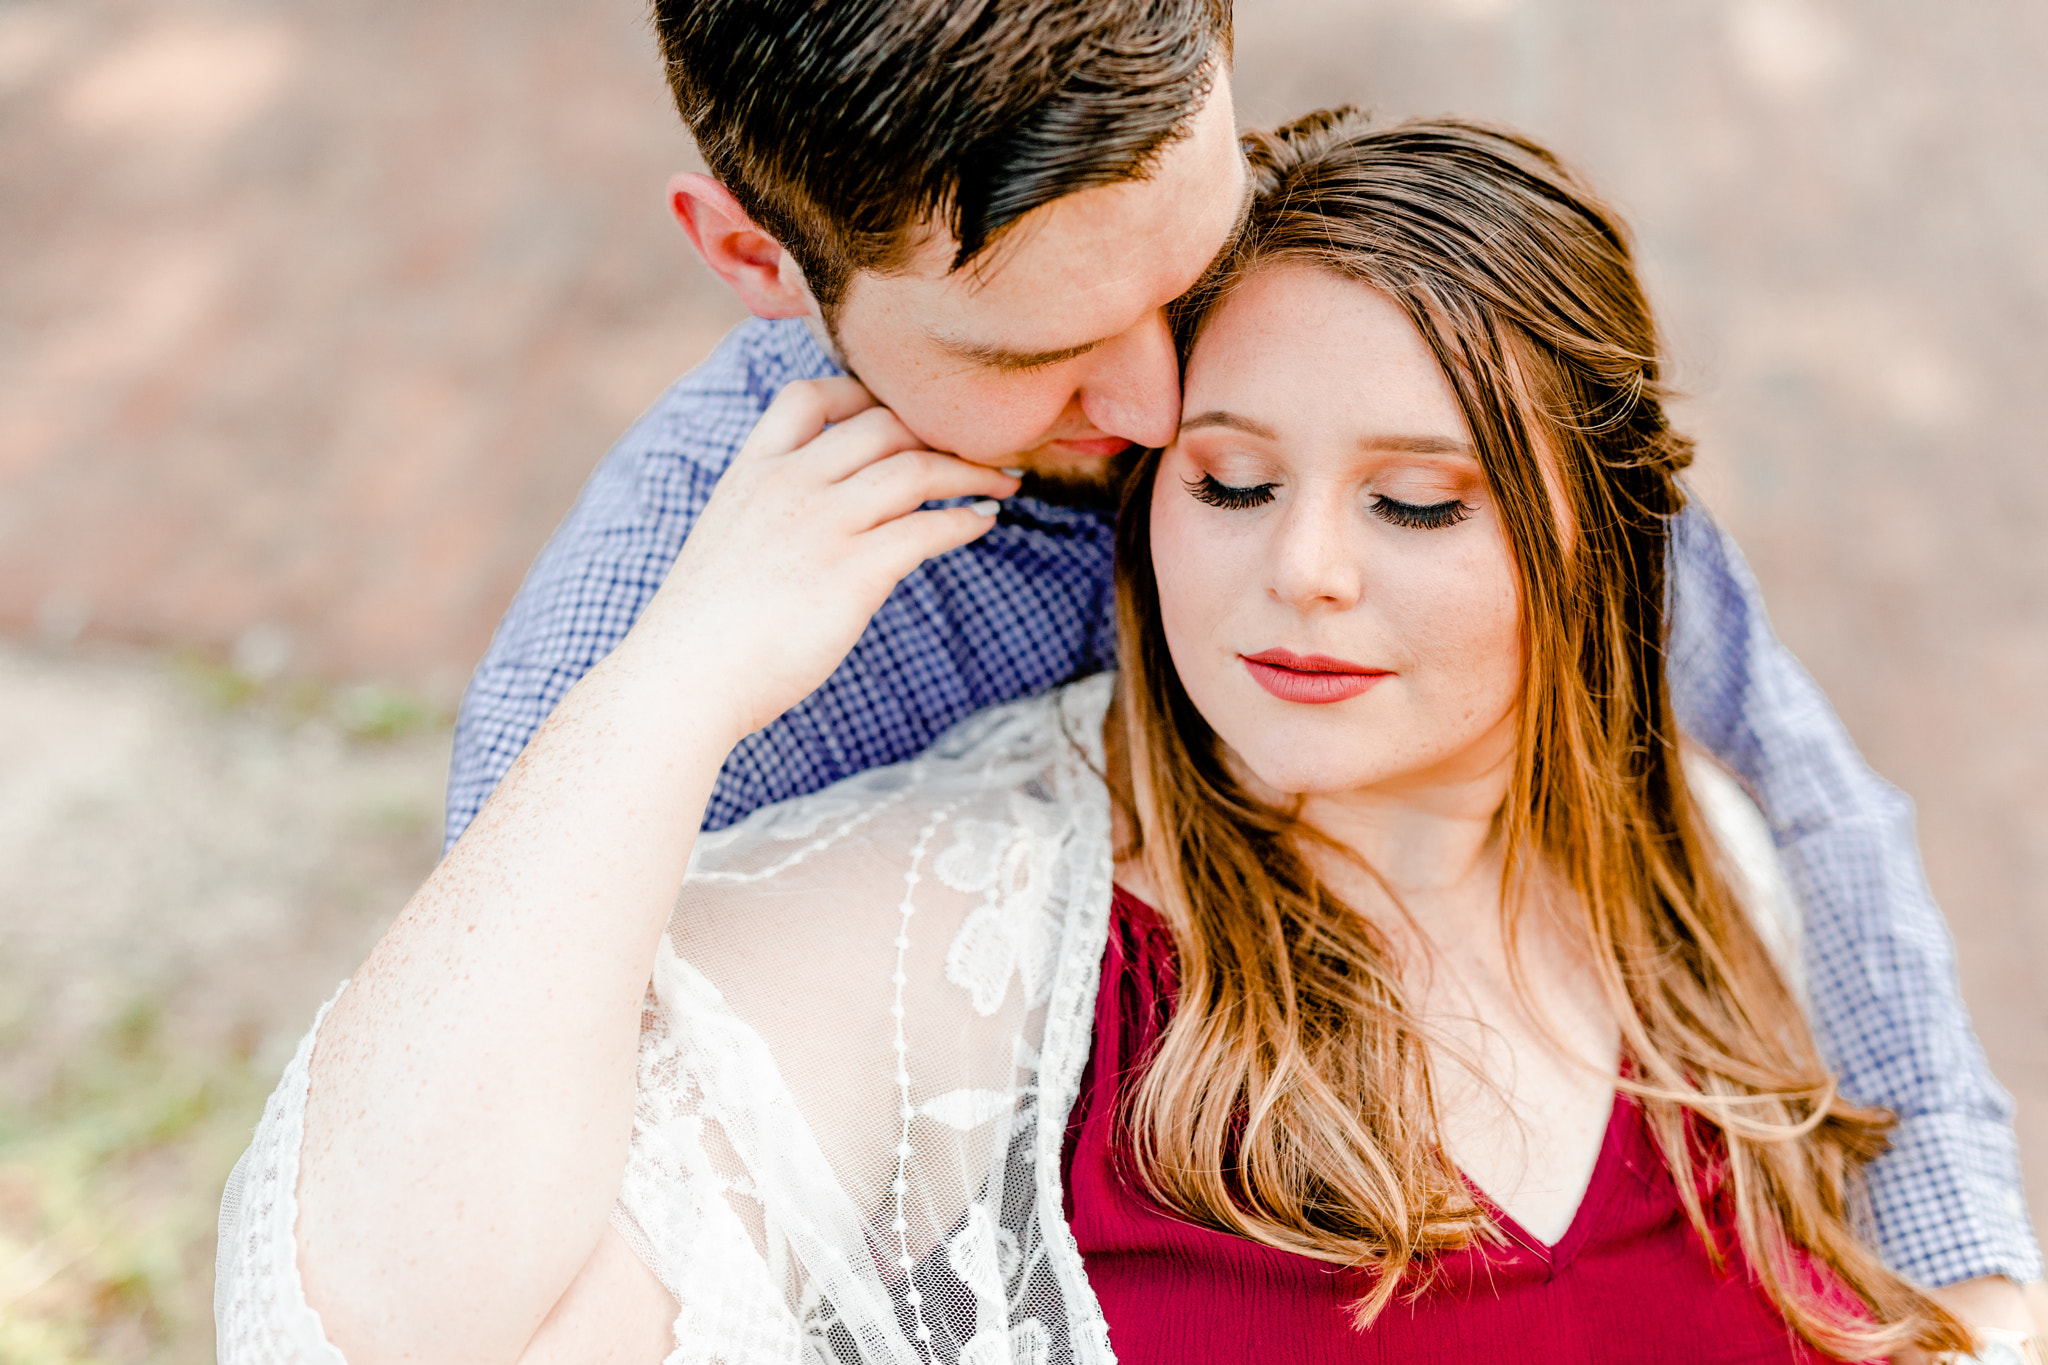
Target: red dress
(1629, 1280)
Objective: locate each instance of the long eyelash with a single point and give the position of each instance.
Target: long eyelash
(1217, 494)
(1434, 516)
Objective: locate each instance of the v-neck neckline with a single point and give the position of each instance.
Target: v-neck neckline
(1599, 1188)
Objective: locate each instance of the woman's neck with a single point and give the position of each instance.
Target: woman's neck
(1522, 1056)
(1432, 837)
(1522, 1043)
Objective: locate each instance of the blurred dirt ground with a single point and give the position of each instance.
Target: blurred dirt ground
(186, 861)
(315, 317)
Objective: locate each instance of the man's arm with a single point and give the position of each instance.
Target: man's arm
(1880, 963)
(579, 600)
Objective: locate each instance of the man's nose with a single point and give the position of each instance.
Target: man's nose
(1133, 389)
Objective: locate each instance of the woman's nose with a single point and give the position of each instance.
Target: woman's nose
(1313, 558)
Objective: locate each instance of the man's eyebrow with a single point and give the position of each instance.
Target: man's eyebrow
(1003, 358)
(1231, 421)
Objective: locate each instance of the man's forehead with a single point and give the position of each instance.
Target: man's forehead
(1089, 256)
(1175, 199)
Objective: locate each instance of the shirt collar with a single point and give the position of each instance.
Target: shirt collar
(785, 352)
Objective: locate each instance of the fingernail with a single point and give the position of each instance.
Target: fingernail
(987, 507)
(1016, 473)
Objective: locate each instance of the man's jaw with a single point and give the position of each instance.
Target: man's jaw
(1096, 484)
(1068, 471)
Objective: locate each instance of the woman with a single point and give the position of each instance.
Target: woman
(1378, 990)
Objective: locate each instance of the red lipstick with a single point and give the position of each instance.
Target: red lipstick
(1316, 679)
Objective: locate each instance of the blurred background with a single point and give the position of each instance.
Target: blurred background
(313, 319)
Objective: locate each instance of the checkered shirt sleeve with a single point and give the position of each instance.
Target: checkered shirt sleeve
(1946, 1198)
(1028, 607)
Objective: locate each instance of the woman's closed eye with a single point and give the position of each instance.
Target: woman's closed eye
(1417, 516)
(1432, 516)
(1216, 493)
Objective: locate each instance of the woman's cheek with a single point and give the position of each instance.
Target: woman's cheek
(1194, 561)
(1180, 590)
(1460, 617)
(1493, 634)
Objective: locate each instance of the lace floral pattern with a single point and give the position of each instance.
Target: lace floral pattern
(887, 1197)
(864, 1003)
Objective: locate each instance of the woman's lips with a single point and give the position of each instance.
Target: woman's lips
(1316, 679)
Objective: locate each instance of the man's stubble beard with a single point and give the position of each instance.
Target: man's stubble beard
(1095, 487)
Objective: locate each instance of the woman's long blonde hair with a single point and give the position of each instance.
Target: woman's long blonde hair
(1290, 1098)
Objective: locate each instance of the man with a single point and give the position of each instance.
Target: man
(981, 211)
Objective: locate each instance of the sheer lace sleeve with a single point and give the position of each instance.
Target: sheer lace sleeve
(259, 1305)
(1745, 841)
(865, 1001)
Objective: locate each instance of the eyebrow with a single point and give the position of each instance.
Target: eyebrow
(1418, 445)
(1230, 421)
(1409, 445)
(1006, 358)
(1003, 358)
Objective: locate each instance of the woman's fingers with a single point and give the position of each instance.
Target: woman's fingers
(843, 452)
(867, 459)
(803, 539)
(904, 481)
(802, 411)
(870, 468)
(896, 547)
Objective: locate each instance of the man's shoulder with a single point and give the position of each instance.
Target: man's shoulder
(612, 550)
(666, 463)
(704, 416)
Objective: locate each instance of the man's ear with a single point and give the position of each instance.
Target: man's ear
(741, 254)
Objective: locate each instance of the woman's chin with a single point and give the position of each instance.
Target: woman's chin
(1277, 769)
(1279, 773)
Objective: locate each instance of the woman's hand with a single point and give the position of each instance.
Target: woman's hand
(809, 531)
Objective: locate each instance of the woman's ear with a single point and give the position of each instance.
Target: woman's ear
(746, 258)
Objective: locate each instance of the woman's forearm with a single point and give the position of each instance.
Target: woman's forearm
(473, 1088)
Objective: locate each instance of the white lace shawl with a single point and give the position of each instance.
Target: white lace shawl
(867, 1024)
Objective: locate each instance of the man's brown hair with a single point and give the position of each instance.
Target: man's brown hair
(842, 125)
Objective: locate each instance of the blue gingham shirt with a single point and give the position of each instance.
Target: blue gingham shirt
(1028, 606)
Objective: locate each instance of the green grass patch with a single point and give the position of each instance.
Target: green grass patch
(367, 712)
(110, 1184)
